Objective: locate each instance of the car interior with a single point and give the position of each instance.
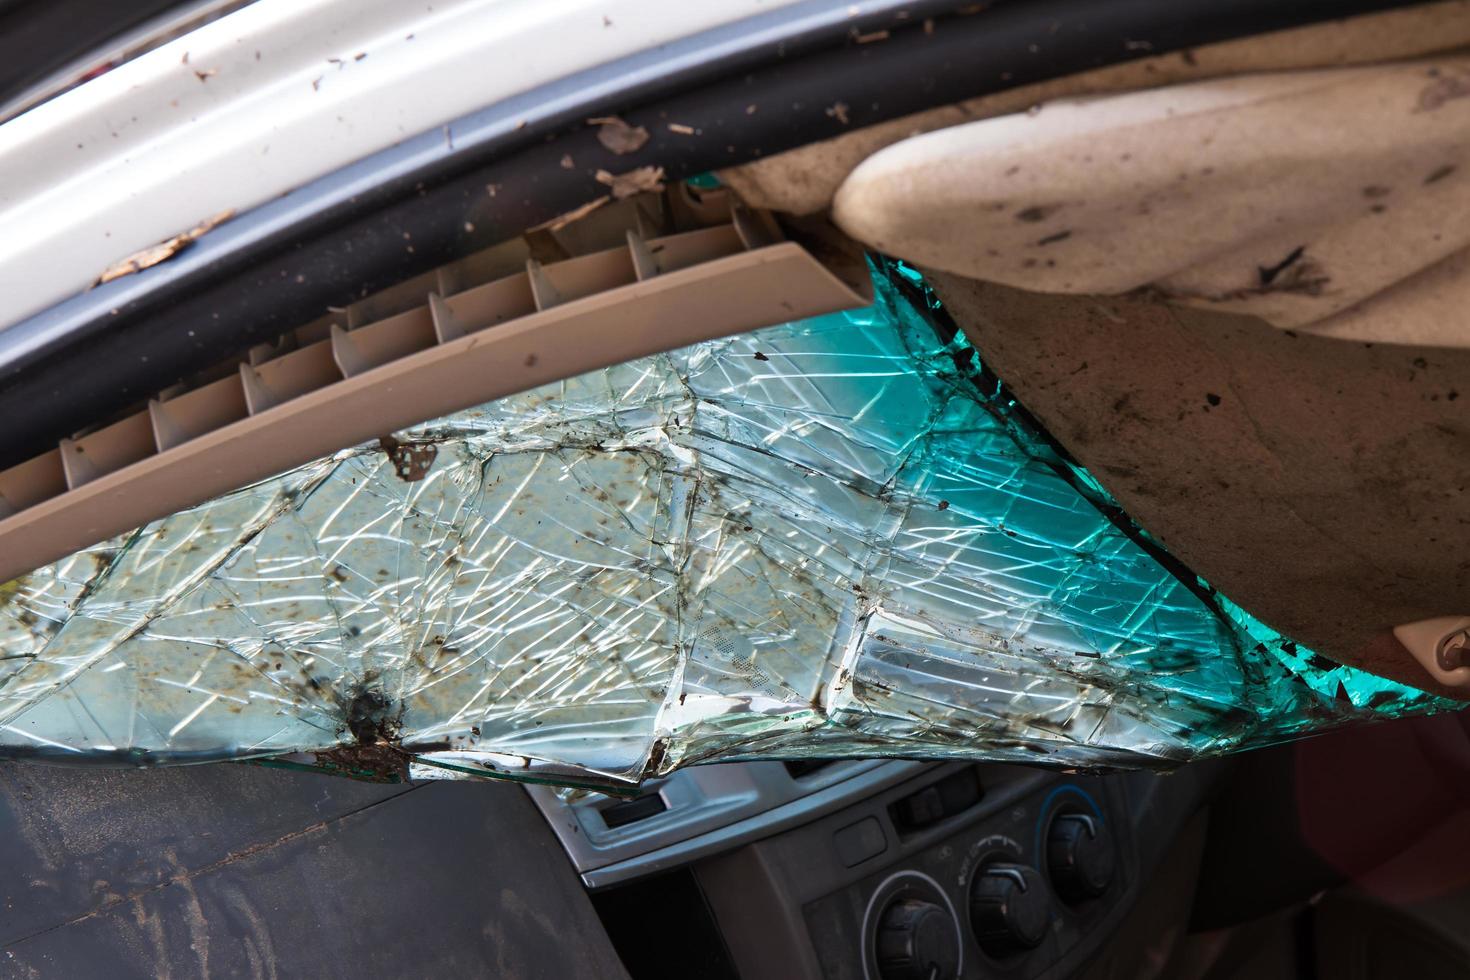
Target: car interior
(853, 491)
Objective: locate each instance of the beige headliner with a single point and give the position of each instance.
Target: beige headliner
(804, 180)
(1332, 200)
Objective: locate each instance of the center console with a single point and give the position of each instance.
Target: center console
(890, 870)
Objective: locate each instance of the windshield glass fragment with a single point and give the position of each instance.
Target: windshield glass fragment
(833, 537)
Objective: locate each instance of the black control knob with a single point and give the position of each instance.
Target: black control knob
(917, 941)
(1009, 908)
(1079, 857)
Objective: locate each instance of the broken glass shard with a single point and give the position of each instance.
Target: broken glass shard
(833, 537)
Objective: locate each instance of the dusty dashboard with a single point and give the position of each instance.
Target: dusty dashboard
(872, 869)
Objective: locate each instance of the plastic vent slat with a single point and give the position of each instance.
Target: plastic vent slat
(676, 252)
(289, 376)
(33, 481)
(387, 340)
(108, 449)
(194, 413)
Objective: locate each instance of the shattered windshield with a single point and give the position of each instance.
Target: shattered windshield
(833, 537)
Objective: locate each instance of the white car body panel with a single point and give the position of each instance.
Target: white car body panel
(272, 96)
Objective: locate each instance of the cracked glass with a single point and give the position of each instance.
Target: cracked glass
(838, 537)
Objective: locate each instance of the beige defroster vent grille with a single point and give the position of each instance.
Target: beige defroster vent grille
(438, 344)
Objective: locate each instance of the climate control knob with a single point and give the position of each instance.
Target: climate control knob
(917, 941)
(1009, 908)
(1079, 857)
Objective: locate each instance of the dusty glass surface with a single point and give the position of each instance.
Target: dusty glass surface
(832, 537)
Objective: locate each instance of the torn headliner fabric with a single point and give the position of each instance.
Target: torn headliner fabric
(833, 537)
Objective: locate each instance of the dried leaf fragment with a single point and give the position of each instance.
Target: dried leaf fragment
(154, 254)
(411, 461)
(633, 182)
(681, 129)
(562, 220)
(617, 135)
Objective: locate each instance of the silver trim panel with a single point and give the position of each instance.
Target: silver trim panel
(709, 809)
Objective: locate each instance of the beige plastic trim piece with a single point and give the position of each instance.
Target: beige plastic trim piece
(296, 373)
(447, 326)
(88, 457)
(376, 344)
(194, 413)
(542, 291)
(33, 481)
(754, 228)
(644, 264)
(588, 274)
(1429, 641)
(443, 355)
(491, 264)
(693, 247)
(492, 303)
